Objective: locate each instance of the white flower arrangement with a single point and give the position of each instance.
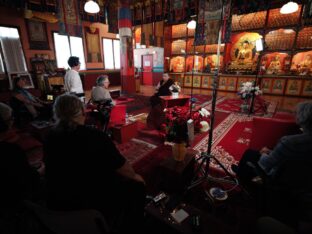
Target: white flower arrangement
(203, 112)
(247, 89)
(175, 88)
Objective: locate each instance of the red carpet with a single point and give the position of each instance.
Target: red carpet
(230, 140)
(234, 105)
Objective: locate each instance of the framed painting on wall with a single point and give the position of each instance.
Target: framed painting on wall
(205, 81)
(266, 85)
(293, 87)
(231, 84)
(222, 83)
(25, 75)
(37, 35)
(93, 44)
(307, 88)
(278, 86)
(187, 81)
(196, 81)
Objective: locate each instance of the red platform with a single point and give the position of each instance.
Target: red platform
(125, 132)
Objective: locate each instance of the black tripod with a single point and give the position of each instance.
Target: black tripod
(206, 157)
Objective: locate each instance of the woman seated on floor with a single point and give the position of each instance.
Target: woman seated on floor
(18, 179)
(155, 117)
(289, 147)
(90, 172)
(23, 100)
(31, 147)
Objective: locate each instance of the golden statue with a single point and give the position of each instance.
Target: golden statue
(244, 53)
(305, 67)
(275, 66)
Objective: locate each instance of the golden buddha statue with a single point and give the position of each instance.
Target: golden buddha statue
(275, 66)
(305, 67)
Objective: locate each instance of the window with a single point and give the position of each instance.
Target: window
(66, 46)
(111, 49)
(13, 55)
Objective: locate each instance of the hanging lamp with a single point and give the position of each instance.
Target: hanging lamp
(191, 24)
(289, 8)
(91, 7)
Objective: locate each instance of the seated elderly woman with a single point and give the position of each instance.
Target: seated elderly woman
(100, 93)
(23, 100)
(289, 147)
(89, 171)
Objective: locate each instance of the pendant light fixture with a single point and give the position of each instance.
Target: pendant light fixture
(91, 7)
(289, 8)
(191, 24)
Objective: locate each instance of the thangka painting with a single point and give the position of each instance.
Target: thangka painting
(278, 86)
(93, 44)
(196, 81)
(231, 83)
(37, 34)
(198, 61)
(222, 83)
(187, 81)
(243, 54)
(307, 88)
(205, 81)
(275, 63)
(302, 63)
(177, 64)
(266, 85)
(293, 87)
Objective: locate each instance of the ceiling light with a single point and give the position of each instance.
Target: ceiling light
(289, 8)
(191, 24)
(91, 7)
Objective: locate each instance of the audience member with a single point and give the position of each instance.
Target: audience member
(22, 100)
(18, 179)
(100, 93)
(72, 79)
(84, 169)
(30, 146)
(289, 147)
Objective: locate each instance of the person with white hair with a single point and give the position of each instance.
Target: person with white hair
(84, 169)
(289, 147)
(100, 93)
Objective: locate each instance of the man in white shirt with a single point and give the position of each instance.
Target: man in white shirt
(72, 79)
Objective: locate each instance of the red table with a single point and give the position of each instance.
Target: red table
(170, 101)
(125, 132)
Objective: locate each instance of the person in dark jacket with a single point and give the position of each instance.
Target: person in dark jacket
(162, 89)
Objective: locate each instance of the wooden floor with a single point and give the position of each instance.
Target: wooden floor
(284, 103)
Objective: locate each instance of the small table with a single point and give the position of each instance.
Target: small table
(125, 132)
(170, 101)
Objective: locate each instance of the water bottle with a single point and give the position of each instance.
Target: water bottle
(127, 118)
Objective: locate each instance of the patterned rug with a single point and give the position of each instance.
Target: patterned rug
(135, 149)
(230, 139)
(234, 105)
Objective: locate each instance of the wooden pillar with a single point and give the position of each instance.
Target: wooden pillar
(126, 48)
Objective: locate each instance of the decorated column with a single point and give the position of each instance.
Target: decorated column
(126, 49)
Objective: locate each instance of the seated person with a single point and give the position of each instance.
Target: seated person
(289, 147)
(30, 146)
(100, 93)
(23, 100)
(156, 117)
(90, 172)
(162, 89)
(100, 96)
(18, 179)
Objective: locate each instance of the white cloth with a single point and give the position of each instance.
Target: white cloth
(73, 82)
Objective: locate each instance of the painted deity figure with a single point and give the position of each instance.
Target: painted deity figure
(275, 66)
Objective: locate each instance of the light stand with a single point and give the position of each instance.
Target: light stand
(206, 157)
(259, 48)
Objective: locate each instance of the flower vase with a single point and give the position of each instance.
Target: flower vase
(175, 94)
(179, 151)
